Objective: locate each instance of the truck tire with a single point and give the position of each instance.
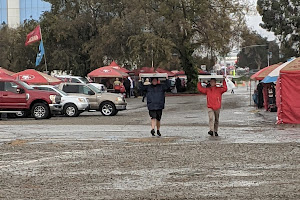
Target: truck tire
(22, 114)
(108, 109)
(71, 110)
(40, 111)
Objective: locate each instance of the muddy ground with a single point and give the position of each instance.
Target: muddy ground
(96, 157)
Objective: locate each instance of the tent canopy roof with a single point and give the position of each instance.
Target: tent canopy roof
(6, 76)
(107, 72)
(6, 71)
(261, 74)
(293, 67)
(116, 66)
(152, 70)
(32, 76)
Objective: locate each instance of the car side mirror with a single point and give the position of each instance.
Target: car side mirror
(20, 91)
(91, 93)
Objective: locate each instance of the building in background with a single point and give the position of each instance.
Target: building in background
(15, 12)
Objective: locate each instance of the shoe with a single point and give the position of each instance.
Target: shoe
(211, 133)
(153, 132)
(216, 134)
(158, 133)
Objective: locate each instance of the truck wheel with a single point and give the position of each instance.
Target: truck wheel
(71, 110)
(40, 111)
(108, 109)
(22, 114)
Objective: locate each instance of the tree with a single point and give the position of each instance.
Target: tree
(283, 18)
(254, 53)
(190, 28)
(80, 36)
(15, 55)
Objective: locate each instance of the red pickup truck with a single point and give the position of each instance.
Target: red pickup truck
(16, 96)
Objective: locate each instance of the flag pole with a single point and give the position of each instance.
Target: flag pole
(44, 50)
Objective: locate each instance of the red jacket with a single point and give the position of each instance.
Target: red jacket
(214, 95)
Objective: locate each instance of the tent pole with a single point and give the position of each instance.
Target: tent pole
(250, 92)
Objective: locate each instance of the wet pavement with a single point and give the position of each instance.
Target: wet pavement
(96, 157)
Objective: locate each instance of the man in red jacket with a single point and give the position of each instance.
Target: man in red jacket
(214, 101)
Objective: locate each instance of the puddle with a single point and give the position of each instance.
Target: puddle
(17, 142)
(153, 140)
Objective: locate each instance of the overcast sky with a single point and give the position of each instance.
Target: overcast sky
(255, 19)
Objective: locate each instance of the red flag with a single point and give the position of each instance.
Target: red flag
(34, 36)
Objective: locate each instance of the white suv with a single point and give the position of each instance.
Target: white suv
(79, 79)
(72, 106)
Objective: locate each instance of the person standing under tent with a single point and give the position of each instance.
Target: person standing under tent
(117, 85)
(127, 87)
(131, 86)
(145, 85)
(178, 84)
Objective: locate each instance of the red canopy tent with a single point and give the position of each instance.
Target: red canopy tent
(2, 70)
(170, 74)
(147, 70)
(116, 66)
(143, 70)
(177, 73)
(33, 77)
(261, 74)
(107, 72)
(201, 72)
(6, 76)
(288, 94)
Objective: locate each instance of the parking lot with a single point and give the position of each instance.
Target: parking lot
(97, 157)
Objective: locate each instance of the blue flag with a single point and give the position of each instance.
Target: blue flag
(40, 55)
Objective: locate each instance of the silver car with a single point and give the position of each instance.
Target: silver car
(108, 104)
(73, 106)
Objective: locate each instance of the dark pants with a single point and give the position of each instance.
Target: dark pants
(127, 92)
(144, 95)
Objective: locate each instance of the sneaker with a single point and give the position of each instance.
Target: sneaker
(158, 133)
(216, 134)
(153, 132)
(211, 133)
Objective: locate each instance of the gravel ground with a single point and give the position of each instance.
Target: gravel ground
(96, 157)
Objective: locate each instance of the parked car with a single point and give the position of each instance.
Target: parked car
(109, 104)
(79, 79)
(73, 106)
(19, 98)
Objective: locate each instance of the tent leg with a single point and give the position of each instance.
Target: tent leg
(250, 93)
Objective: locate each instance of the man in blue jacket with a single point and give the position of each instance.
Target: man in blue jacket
(156, 103)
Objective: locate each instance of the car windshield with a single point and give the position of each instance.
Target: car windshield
(60, 91)
(84, 80)
(94, 88)
(25, 85)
